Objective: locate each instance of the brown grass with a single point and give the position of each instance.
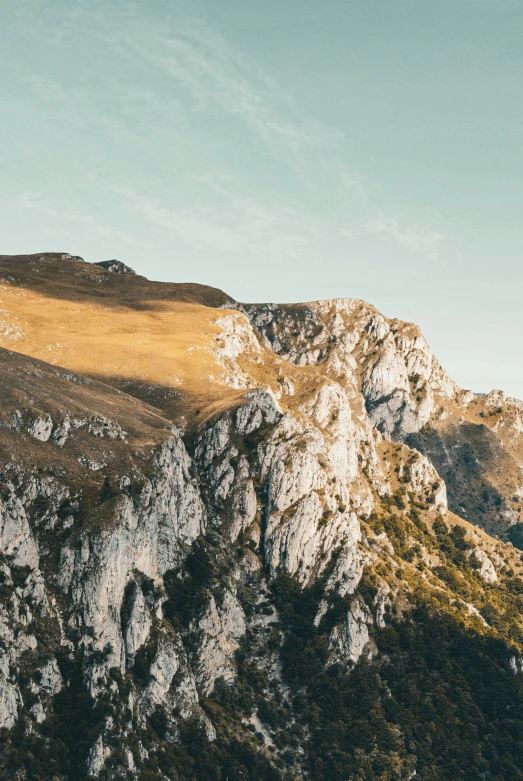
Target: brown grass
(149, 338)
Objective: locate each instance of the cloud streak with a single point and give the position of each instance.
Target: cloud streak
(216, 76)
(158, 143)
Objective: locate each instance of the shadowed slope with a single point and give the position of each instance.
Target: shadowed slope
(68, 277)
(54, 421)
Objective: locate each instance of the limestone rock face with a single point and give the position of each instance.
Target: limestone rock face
(487, 569)
(306, 465)
(350, 639)
(236, 342)
(387, 361)
(221, 627)
(147, 536)
(15, 534)
(394, 383)
(138, 625)
(507, 414)
(10, 702)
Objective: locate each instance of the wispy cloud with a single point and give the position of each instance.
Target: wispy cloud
(74, 220)
(154, 148)
(238, 225)
(416, 238)
(217, 76)
(413, 237)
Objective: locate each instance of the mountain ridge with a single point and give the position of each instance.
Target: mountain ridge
(234, 556)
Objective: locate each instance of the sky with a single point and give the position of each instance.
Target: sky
(284, 150)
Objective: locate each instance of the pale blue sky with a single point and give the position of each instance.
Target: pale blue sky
(282, 150)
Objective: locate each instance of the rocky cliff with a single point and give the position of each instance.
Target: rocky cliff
(248, 541)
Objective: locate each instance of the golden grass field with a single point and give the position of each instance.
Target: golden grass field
(150, 339)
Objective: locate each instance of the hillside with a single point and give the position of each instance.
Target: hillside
(248, 541)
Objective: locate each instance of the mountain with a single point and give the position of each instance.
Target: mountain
(246, 541)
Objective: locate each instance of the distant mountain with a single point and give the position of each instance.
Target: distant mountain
(246, 541)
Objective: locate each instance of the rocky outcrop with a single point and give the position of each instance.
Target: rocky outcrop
(116, 266)
(221, 627)
(387, 369)
(387, 361)
(486, 568)
(351, 639)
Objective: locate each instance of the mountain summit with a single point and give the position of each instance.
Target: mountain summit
(245, 541)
